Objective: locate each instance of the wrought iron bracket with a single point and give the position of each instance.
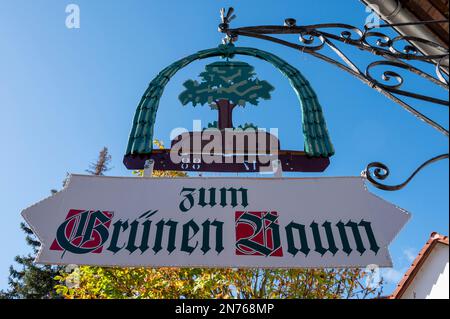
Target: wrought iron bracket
(314, 38)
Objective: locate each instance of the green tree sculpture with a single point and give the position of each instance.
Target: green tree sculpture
(224, 86)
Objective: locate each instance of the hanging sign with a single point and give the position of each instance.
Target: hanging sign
(215, 222)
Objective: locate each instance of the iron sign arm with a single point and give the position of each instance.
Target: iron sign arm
(313, 38)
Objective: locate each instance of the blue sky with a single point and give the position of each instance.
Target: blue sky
(66, 93)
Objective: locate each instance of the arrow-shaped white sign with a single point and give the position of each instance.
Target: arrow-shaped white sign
(215, 222)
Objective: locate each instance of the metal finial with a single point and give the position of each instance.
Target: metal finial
(229, 13)
(226, 18)
(224, 26)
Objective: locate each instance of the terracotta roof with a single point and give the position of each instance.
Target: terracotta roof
(417, 264)
(426, 10)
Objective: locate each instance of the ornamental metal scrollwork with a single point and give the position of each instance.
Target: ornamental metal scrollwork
(395, 51)
(395, 88)
(381, 172)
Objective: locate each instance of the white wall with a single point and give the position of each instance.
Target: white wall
(432, 280)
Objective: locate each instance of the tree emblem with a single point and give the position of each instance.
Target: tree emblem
(225, 85)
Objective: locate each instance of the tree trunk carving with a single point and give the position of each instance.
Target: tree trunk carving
(225, 109)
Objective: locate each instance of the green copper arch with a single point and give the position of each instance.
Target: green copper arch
(315, 133)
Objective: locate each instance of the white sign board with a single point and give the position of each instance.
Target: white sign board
(215, 222)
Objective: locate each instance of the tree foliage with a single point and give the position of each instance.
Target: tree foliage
(98, 282)
(102, 164)
(233, 81)
(29, 280)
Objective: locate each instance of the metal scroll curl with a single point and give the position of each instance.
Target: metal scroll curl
(376, 172)
(388, 75)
